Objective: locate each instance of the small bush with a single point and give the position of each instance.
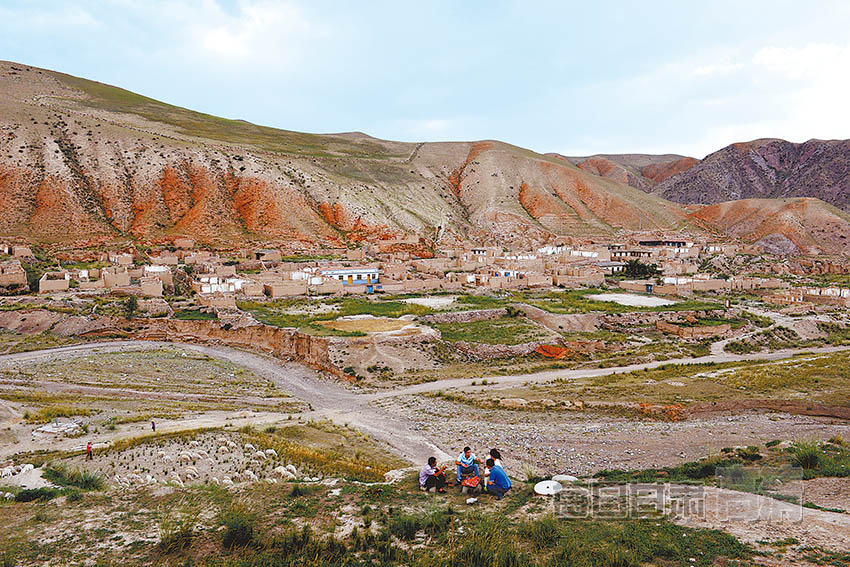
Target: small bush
(238, 522)
(749, 454)
(33, 494)
(177, 526)
(837, 440)
(404, 526)
(806, 455)
(65, 476)
(300, 490)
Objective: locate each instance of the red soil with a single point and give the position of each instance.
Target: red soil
(658, 172)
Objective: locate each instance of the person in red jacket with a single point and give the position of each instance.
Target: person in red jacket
(89, 455)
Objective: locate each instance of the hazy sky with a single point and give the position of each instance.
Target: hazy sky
(571, 77)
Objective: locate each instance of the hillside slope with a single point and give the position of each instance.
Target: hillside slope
(782, 226)
(642, 171)
(767, 168)
(82, 162)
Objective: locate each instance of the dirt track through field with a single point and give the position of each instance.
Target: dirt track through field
(348, 405)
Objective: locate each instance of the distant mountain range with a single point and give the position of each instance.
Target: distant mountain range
(86, 163)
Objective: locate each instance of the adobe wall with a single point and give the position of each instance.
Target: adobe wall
(481, 351)
(700, 332)
(466, 316)
(650, 318)
(794, 407)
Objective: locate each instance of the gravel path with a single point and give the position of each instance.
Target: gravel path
(372, 412)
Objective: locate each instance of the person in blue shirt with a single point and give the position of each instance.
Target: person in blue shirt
(467, 463)
(498, 483)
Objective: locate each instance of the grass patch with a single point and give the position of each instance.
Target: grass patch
(49, 413)
(504, 330)
(65, 476)
(194, 315)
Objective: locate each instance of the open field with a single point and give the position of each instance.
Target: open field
(114, 388)
(182, 477)
(820, 378)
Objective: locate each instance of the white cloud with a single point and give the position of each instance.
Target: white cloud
(49, 18)
(716, 69)
(259, 31)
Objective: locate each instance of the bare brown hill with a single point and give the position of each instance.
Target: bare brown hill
(782, 226)
(642, 171)
(767, 168)
(81, 161)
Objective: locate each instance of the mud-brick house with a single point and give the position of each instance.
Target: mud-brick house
(165, 259)
(120, 259)
(198, 257)
(12, 274)
(218, 301)
(184, 243)
(162, 273)
(54, 281)
(151, 286)
(285, 288)
(267, 255)
(115, 277)
(578, 276)
(20, 251)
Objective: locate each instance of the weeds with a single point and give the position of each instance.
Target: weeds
(177, 525)
(238, 521)
(64, 476)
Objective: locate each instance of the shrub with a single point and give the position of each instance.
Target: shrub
(177, 526)
(837, 440)
(65, 476)
(238, 522)
(404, 526)
(806, 455)
(33, 494)
(749, 454)
(300, 490)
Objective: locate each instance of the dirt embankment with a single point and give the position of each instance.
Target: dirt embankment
(584, 322)
(288, 344)
(284, 343)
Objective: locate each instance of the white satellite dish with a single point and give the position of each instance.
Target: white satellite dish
(562, 478)
(548, 487)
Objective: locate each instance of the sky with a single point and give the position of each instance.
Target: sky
(576, 78)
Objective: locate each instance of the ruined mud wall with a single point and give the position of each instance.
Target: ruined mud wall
(466, 316)
(700, 332)
(285, 343)
(651, 318)
(481, 351)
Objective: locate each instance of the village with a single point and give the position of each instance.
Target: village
(379, 310)
(219, 278)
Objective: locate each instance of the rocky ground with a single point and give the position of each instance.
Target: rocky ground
(582, 443)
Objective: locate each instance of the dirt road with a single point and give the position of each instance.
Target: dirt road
(346, 404)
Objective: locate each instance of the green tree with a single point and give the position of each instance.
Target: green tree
(131, 306)
(637, 269)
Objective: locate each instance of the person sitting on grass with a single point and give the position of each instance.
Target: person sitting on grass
(467, 463)
(432, 477)
(497, 457)
(498, 483)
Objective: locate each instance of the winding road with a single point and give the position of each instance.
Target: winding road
(349, 405)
